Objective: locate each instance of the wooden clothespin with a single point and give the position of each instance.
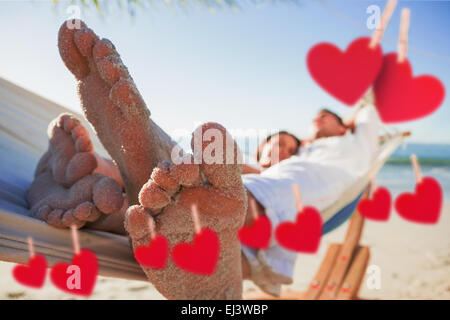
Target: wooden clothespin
(373, 182)
(75, 239)
(416, 168)
(30, 247)
(385, 17)
(253, 209)
(151, 226)
(196, 219)
(403, 35)
(298, 197)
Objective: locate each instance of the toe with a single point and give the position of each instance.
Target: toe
(79, 134)
(54, 218)
(83, 144)
(78, 131)
(153, 197)
(86, 211)
(111, 69)
(55, 128)
(81, 164)
(85, 40)
(218, 155)
(107, 195)
(62, 150)
(137, 224)
(162, 177)
(40, 213)
(69, 219)
(102, 49)
(63, 118)
(73, 59)
(69, 123)
(186, 173)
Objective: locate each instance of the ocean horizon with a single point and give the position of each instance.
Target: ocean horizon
(398, 176)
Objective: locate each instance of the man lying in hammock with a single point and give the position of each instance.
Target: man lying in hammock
(73, 185)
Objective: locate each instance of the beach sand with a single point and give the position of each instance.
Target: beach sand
(414, 261)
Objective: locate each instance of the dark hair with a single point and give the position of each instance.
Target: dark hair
(338, 118)
(262, 144)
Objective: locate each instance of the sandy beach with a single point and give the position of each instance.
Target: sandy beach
(414, 261)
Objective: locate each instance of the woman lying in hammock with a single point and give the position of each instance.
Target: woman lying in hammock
(74, 186)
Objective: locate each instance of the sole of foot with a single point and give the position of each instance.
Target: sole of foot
(113, 105)
(70, 154)
(167, 198)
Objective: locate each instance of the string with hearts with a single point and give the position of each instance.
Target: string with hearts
(305, 233)
(80, 276)
(257, 235)
(32, 274)
(347, 75)
(425, 204)
(200, 256)
(154, 255)
(399, 96)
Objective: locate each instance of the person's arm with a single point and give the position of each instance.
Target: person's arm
(367, 124)
(246, 169)
(366, 100)
(350, 123)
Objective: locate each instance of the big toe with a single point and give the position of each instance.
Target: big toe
(218, 154)
(71, 150)
(70, 54)
(81, 164)
(61, 147)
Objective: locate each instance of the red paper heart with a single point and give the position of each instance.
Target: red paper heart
(400, 97)
(257, 235)
(84, 265)
(155, 254)
(379, 207)
(345, 75)
(303, 235)
(33, 274)
(201, 255)
(422, 206)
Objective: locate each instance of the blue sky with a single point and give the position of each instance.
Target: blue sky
(243, 69)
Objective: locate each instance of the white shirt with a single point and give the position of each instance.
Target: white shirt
(323, 170)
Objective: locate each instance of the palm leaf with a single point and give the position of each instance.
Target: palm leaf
(173, 4)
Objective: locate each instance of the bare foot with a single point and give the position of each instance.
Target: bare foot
(113, 105)
(70, 153)
(67, 190)
(71, 156)
(167, 198)
(94, 199)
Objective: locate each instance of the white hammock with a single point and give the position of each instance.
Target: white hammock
(24, 117)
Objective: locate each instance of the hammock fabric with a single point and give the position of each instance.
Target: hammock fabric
(24, 117)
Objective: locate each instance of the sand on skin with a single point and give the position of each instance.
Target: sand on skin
(414, 261)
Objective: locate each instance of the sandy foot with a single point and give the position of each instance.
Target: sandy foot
(69, 156)
(167, 198)
(113, 105)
